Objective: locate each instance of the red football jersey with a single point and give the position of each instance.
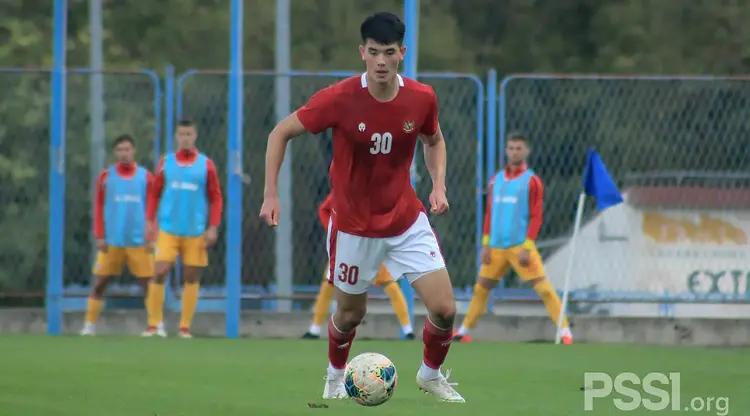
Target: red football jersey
(324, 212)
(373, 147)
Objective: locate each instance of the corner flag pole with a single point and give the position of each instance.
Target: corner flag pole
(569, 268)
(598, 183)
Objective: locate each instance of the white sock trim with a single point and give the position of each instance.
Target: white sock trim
(436, 327)
(335, 328)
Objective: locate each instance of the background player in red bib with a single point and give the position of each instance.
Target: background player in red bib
(120, 226)
(377, 218)
(515, 200)
(185, 205)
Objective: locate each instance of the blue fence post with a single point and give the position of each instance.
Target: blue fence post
(411, 41)
(169, 119)
(503, 125)
(491, 145)
(159, 119)
(56, 235)
(234, 176)
(492, 112)
(491, 149)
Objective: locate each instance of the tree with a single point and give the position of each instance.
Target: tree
(695, 125)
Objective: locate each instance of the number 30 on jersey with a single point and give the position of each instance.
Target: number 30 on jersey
(381, 143)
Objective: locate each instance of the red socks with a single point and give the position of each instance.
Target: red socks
(437, 342)
(339, 345)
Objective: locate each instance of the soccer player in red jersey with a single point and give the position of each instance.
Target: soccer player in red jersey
(120, 226)
(186, 202)
(377, 218)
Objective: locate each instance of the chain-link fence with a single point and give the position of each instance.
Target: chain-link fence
(678, 148)
(24, 172)
(203, 98)
(131, 105)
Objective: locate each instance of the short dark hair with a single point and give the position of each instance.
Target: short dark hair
(123, 138)
(186, 123)
(384, 28)
(518, 137)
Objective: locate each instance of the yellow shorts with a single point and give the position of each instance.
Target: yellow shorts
(192, 249)
(382, 279)
(139, 260)
(501, 260)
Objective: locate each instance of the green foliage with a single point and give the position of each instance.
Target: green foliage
(688, 125)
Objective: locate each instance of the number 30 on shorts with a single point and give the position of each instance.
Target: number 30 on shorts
(348, 274)
(381, 143)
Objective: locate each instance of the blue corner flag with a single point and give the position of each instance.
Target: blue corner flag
(598, 183)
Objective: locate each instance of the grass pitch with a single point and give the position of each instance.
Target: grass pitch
(127, 376)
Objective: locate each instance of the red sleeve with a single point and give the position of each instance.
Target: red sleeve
(99, 198)
(324, 212)
(213, 191)
(430, 125)
(536, 203)
(155, 190)
(320, 112)
(149, 190)
(488, 214)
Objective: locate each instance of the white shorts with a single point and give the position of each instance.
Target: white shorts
(355, 260)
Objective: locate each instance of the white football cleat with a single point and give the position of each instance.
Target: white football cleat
(155, 331)
(334, 388)
(440, 388)
(88, 330)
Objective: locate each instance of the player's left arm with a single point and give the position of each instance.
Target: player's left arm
(215, 203)
(435, 154)
(154, 193)
(536, 210)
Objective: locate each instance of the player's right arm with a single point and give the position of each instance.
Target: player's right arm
(314, 117)
(153, 198)
(99, 200)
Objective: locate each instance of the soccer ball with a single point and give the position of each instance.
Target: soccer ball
(370, 379)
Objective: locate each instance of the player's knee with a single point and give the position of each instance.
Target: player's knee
(99, 287)
(161, 271)
(191, 275)
(143, 283)
(348, 318)
(351, 319)
(444, 313)
(488, 284)
(159, 279)
(539, 285)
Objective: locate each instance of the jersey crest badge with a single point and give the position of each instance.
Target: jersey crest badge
(408, 126)
(362, 127)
